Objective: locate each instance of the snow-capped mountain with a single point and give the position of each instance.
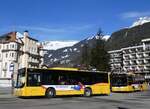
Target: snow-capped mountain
(141, 21)
(68, 55)
(106, 37)
(54, 45)
(130, 36)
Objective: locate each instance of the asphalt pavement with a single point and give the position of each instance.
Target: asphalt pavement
(136, 100)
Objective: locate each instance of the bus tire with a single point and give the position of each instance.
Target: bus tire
(50, 93)
(87, 92)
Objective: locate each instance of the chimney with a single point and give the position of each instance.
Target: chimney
(26, 33)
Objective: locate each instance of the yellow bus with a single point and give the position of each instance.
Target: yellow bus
(139, 82)
(52, 82)
(128, 82)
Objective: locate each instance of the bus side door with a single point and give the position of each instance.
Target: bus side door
(34, 85)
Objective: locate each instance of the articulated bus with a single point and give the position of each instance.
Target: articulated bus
(128, 83)
(54, 81)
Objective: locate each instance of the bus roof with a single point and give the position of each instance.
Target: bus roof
(63, 68)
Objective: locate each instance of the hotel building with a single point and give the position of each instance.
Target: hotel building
(135, 58)
(17, 51)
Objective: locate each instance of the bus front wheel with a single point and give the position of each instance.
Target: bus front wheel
(50, 93)
(87, 92)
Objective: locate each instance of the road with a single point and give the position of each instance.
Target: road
(136, 100)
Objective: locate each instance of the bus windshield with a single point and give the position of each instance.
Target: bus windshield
(20, 78)
(119, 80)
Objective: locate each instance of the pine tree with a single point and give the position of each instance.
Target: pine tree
(99, 57)
(85, 56)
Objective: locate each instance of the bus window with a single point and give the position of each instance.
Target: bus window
(119, 80)
(71, 79)
(130, 80)
(86, 79)
(34, 79)
(62, 80)
(101, 78)
(49, 78)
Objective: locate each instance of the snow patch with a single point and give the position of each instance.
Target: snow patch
(64, 56)
(141, 21)
(92, 37)
(54, 45)
(75, 49)
(65, 50)
(50, 55)
(55, 59)
(70, 50)
(106, 37)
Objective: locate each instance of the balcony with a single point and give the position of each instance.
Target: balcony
(146, 61)
(132, 57)
(126, 57)
(147, 48)
(125, 52)
(140, 68)
(146, 68)
(139, 55)
(146, 54)
(139, 62)
(117, 55)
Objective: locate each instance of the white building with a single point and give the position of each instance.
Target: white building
(18, 51)
(115, 60)
(135, 58)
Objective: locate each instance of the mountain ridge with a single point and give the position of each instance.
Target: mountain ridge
(71, 56)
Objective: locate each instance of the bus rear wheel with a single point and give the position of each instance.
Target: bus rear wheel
(50, 93)
(87, 92)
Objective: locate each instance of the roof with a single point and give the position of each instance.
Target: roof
(17, 34)
(146, 40)
(115, 51)
(33, 39)
(62, 68)
(5, 35)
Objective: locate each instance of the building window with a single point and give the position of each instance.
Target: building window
(6, 55)
(29, 49)
(16, 46)
(32, 49)
(4, 73)
(13, 46)
(35, 50)
(12, 54)
(7, 47)
(5, 67)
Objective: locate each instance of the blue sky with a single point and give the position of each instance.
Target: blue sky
(69, 19)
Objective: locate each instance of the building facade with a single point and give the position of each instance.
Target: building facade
(135, 58)
(116, 60)
(18, 51)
